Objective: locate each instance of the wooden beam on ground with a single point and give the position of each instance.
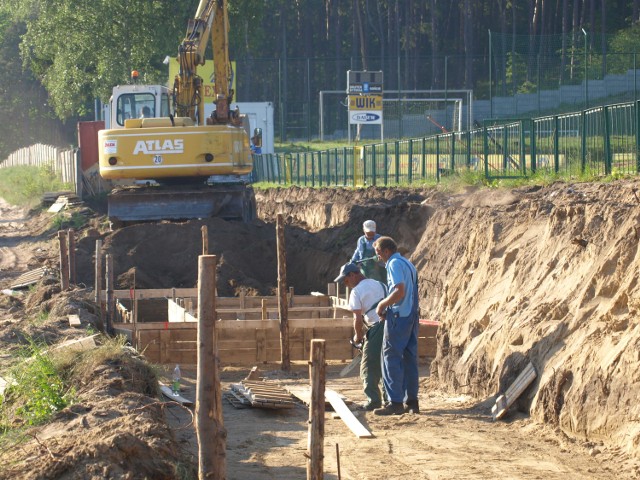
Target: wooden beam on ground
(77, 345)
(503, 402)
(64, 261)
(166, 391)
(283, 305)
(209, 423)
(346, 415)
(29, 278)
(315, 444)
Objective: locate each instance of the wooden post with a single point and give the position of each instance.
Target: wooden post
(64, 261)
(135, 300)
(98, 275)
(283, 308)
(315, 443)
(111, 300)
(291, 295)
(205, 240)
(212, 436)
(265, 315)
(72, 256)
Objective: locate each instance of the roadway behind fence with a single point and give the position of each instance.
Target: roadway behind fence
(601, 140)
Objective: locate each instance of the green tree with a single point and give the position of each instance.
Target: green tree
(80, 49)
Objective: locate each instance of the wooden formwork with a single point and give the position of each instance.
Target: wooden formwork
(247, 331)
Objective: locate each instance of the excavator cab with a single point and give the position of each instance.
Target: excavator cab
(137, 101)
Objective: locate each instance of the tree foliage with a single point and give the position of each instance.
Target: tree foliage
(79, 49)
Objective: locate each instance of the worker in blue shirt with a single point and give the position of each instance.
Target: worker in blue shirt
(365, 253)
(399, 309)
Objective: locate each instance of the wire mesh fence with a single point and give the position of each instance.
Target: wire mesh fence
(600, 140)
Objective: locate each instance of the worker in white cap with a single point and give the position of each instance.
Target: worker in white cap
(365, 255)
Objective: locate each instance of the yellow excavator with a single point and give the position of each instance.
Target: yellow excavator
(180, 165)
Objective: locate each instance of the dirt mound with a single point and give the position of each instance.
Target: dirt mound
(122, 428)
(548, 276)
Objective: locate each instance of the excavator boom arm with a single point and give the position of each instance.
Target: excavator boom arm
(211, 21)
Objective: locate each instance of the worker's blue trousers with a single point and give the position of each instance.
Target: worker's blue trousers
(400, 358)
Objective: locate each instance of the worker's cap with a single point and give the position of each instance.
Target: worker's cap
(369, 226)
(346, 269)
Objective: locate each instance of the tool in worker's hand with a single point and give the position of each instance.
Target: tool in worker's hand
(374, 258)
(355, 361)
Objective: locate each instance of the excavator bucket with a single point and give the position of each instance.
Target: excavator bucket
(139, 204)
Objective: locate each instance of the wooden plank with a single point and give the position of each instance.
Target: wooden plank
(74, 321)
(346, 415)
(166, 391)
(503, 402)
(78, 345)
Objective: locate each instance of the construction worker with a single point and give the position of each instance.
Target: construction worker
(364, 255)
(399, 311)
(363, 299)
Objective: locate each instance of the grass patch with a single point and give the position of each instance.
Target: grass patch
(62, 221)
(24, 185)
(36, 390)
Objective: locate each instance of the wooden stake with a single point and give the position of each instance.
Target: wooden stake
(338, 460)
(98, 274)
(64, 261)
(205, 240)
(283, 307)
(265, 315)
(212, 436)
(316, 411)
(72, 256)
(111, 299)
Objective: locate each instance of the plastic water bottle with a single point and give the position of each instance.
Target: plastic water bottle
(175, 381)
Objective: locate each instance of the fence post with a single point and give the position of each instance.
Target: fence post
(583, 140)
(386, 165)
(410, 162)
(556, 144)
(397, 161)
(453, 152)
(373, 164)
(607, 141)
(344, 163)
(485, 147)
(637, 132)
(424, 158)
(438, 158)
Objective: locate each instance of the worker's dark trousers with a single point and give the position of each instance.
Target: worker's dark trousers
(400, 357)
(371, 364)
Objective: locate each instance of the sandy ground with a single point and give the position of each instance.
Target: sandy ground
(454, 437)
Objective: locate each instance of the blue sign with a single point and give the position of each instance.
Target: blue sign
(365, 87)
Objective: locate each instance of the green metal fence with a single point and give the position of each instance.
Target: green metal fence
(600, 140)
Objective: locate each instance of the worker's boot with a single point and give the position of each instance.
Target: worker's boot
(412, 406)
(391, 408)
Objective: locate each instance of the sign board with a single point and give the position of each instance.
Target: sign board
(206, 72)
(369, 118)
(365, 102)
(365, 97)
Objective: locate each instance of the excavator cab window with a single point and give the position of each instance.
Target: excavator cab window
(131, 105)
(165, 105)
